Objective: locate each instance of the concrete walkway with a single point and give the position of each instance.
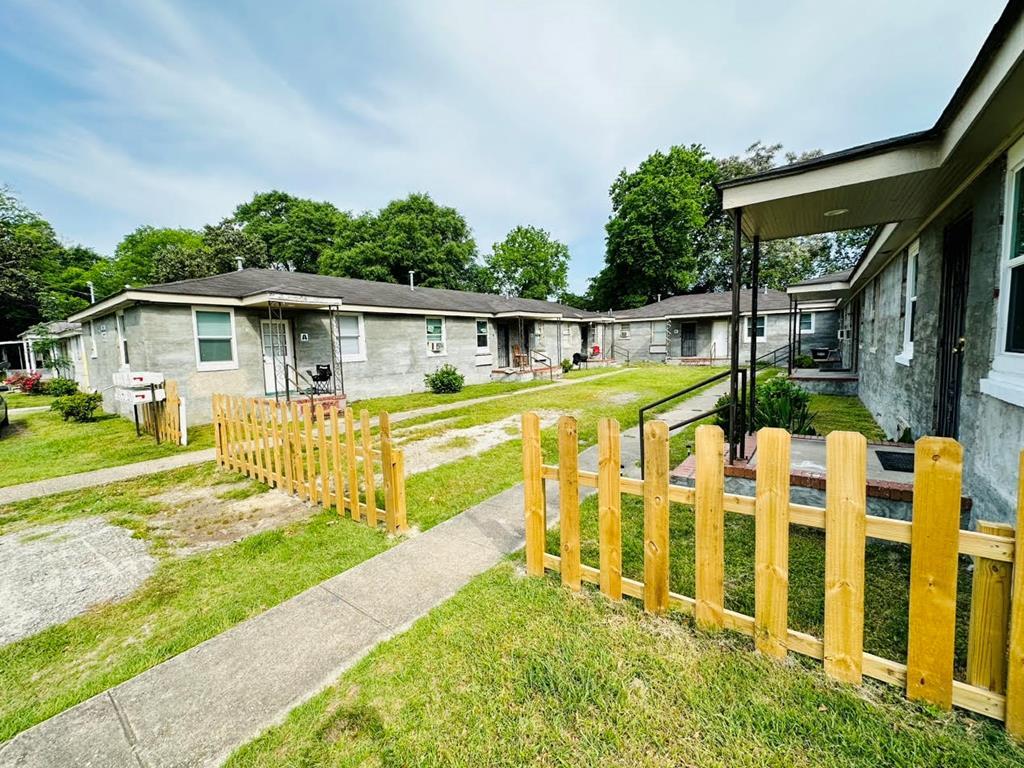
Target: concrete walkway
(75, 482)
(195, 709)
(29, 409)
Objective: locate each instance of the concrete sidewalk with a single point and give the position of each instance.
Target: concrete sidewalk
(195, 709)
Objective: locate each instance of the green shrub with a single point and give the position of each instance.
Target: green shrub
(804, 361)
(566, 365)
(445, 380)
(81, 406)
(781, 403)
(60, 387)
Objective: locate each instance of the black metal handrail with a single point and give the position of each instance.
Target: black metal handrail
(298, 375)
(773, 353)
(544, 358)
(741, 411)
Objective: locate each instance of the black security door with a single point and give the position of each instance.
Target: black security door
(956, 261)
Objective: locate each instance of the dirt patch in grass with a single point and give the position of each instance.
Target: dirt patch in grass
(56, 572)
(454, 444)
(622, 398)
(196, 520)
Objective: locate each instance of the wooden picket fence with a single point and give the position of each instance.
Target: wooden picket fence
(995, 676)
(163, 419)
(315, 453)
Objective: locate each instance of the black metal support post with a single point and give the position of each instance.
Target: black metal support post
(755, 268)
(737, 258)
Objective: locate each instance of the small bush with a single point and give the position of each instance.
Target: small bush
(804, 361)
(81, 406)
(566, 365)
(59, 387)
(445, 380)
(781, 403)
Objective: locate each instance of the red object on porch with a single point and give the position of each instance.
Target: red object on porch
(596, 351)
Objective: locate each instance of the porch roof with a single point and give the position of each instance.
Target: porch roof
(904, 181)
(704, 305)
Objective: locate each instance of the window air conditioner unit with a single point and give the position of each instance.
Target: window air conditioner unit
(844, 334)
(437, 346)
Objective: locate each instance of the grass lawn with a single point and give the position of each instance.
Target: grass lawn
(414, 400)
(517, 671)
(41, 445)
(186, 601)
(838, 412)
(191, 599)
(24, 400)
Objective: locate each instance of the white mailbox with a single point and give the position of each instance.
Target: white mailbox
(133, 379)
(140, 396)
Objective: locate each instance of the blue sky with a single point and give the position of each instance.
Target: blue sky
(117, 114)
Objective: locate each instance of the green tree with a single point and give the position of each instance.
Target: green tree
(528, 264)
(295, 232)
(139, 257)
(411, 234)
(217, 253)
(658, 228)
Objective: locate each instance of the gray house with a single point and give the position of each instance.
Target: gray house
(694, 328)
(269, 332)
(932, 316)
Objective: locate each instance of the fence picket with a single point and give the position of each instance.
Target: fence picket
(771, 542)
(353, 470)
(386, 468)
(656, 514)
(533, 495)
(368, 479)
(569, 501)
(933, 570)
(307, 422)
(990, 617)
(286, 447)
(609, 503)
(709, 527)
(845, 525)
(323, 456)
(218, 442)
(1015, 657)
(339, 483)
(296, 437)
(398, 471)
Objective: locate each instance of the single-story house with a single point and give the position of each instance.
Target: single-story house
(695, 327)
(53, 349)
(932, 315)
(268, 332)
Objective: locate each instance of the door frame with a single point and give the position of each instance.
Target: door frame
(951, 332)
(288, 356)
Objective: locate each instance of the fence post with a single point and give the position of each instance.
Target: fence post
(284, 446)
(709, 527)
(990, 617)
(350, 460)
(296, 436)
(387, 470)
(398, 472)
(569, 501)
(934, 542)
(609, 503)
(368, 479)
(218, 438)
(307, 421)
(533, 495)
(1015, 659)
(771, 542)
(339, 483)
(656, 510)
(324, 463)
(846, 458)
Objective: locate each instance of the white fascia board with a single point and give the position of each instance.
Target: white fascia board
(872, 255)
(125, 298)
(698, 316)
(837, 286)
(896, 162)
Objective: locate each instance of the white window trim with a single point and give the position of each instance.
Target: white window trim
(909, 300)
(444, 337)
(802, 330)
(485, 350)
(93, 353)
(761, 336)
(122, 340)
(359, 356)
(222, 365)
(1005, 380)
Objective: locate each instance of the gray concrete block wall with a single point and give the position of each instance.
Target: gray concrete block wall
(825, 334)
(638, 346)
(991, 430)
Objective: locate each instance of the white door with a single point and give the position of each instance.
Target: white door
(277, 350)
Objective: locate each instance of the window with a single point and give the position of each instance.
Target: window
(1006, 379)
(624, 331)
(482, 337)
(215, 339)
(909, 312)
(658, 333)
(435, 335)
(760, 327)
(92, 338)
(806, 322)
(351, 338)
(122, 339)
(538, 335)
